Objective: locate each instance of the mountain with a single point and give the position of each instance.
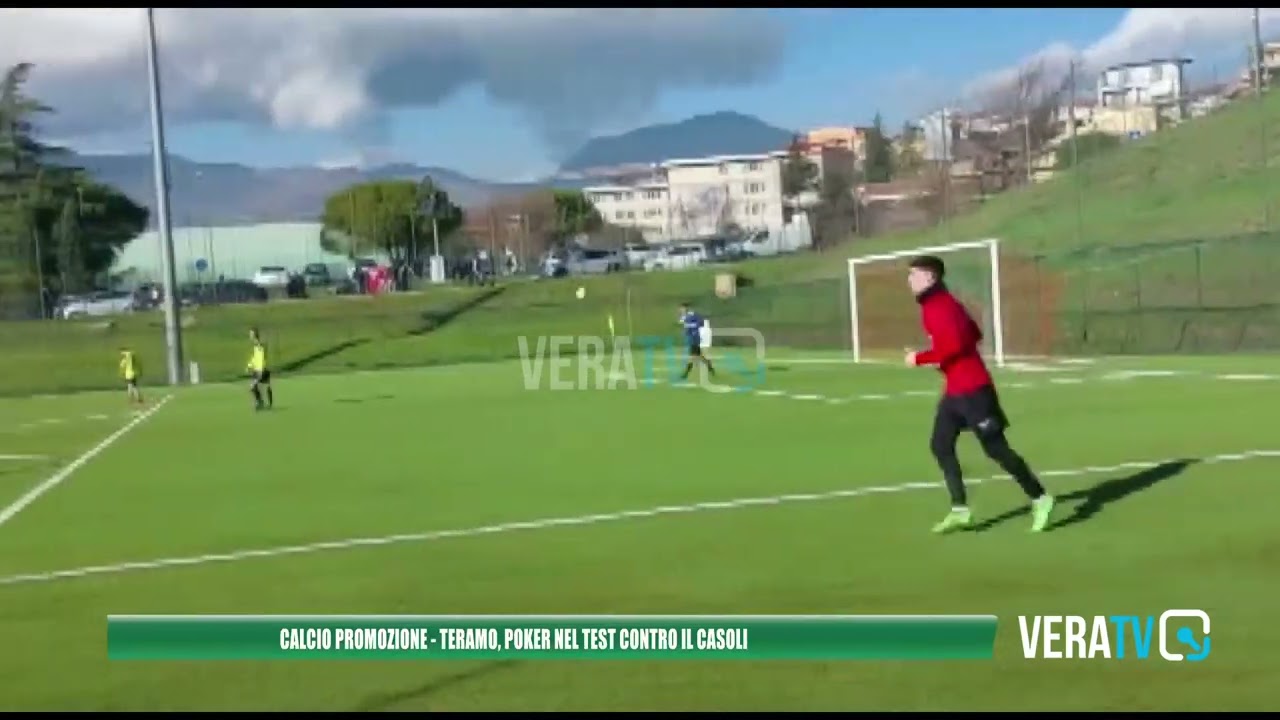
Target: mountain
(231, 194)
(721, 133)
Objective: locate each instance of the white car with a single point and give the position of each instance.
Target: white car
(637, 254)
(271, 276)
(677, 257)
(594, 262)
(99, 304)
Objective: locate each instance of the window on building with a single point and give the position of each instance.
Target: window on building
(621, 215)
(1157, 73)
(628, 196)
(724, 169)
(754, 188)
(631, 214)
(752, 167)
(653, 194)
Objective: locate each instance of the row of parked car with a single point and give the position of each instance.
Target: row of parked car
(578, 260)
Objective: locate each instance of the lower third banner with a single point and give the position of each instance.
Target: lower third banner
(566, 637)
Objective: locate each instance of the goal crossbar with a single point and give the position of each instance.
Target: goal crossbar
(992, 246)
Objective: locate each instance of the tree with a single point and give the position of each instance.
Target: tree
(878, 166)
(835, 217)
(799, 177)
(392, 216)
(575, 213)
(1030, 99)
(58, 227)
(909, 159)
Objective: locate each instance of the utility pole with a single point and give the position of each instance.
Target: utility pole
(172, 327)
(1258, 62)
(1075, 149)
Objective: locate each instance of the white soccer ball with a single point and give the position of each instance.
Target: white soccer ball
(582, 292)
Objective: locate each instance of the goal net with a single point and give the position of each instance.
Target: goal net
(883, 318)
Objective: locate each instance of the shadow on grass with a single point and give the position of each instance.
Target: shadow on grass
(388, 701)
(319, 355)
(1090, 501)
(433, 320)
(360, 400)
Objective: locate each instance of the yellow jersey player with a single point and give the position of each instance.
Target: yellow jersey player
(129, 371)
(260, 371)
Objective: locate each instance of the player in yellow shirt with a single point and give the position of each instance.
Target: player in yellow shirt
(129, 368)
(260, 371)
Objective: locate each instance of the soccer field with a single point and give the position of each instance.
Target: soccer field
(458, 490)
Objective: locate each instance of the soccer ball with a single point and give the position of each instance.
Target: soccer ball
(582, 292)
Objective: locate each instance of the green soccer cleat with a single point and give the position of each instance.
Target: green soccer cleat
(1041, 509)
(955, 520)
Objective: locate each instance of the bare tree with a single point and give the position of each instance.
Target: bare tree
(1029, 101)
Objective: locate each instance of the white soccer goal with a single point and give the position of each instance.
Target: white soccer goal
(993, 324)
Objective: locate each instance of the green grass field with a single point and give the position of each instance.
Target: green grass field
(1160, 510)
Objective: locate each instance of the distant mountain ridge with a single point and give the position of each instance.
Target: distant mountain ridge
(203, 193)
(721, 133)
(233, 194)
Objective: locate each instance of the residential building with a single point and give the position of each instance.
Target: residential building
(940, 130)
(1153, 82)
(853, 139)
(699, 197)
(645, 206)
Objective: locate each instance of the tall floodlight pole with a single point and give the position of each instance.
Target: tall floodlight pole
(1258, 53)
(172, 329)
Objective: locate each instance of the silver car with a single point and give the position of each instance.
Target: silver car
(99, 304)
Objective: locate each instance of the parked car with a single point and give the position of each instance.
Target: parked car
(594, 262)
(317, 275)
(676, 257)
(271, 276)
(636, 254)
(98, 304)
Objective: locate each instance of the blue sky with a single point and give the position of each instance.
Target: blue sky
(838, 68)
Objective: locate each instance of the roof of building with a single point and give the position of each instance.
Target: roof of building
(1153, 61)
(721, 159)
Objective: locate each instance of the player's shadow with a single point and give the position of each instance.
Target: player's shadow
(1090, 501)
(389, 701)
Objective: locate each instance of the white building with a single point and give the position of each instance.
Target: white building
(939, 129)
(1154, 82)
(645, 206)
(702, 197)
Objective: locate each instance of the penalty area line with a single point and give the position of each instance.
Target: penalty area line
(57, 478)
(541, 524)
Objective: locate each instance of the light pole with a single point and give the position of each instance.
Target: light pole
(172, 326)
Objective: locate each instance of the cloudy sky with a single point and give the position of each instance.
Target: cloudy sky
(506, 94)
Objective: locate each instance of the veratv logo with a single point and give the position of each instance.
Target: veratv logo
(1055, 637)
(615, 364)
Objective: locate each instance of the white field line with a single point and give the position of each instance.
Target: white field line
(1121, 376)
(57, 478)
(24, 457)
(577, 520)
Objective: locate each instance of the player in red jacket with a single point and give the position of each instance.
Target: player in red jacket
(969, 400)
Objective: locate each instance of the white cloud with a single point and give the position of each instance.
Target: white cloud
(570, 71)
(1145, 33)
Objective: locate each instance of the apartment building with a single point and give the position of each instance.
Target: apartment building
(699, 197)
(645, 206)
(1152, 82)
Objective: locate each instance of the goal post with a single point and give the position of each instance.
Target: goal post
(991, 280)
